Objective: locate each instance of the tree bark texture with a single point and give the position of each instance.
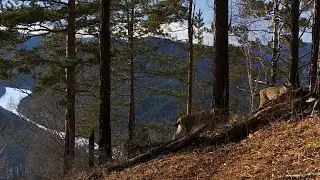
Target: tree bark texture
(221, 65)
(132, 114)
(91, 149)
(105, 152)
(70, 88)
(191, 58)
(315, 48)
(247, 53)
(275, 46)
(294, 75)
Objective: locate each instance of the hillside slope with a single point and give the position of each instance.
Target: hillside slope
(285, 148)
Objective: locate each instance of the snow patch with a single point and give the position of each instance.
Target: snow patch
(10, 101)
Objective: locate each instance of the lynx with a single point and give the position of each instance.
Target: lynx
(186, 123)
(270, 93)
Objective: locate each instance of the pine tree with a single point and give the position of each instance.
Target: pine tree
(70, 88)
(131, 19)
(105, 152)
(294, 76)
(191, 57)
(221, 65)
(8, 39)
(40, 14)
(200, 85)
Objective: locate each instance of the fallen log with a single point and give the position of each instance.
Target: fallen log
(240, 130)
(171, 146)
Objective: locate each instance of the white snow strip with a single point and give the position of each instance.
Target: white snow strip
(10, 101)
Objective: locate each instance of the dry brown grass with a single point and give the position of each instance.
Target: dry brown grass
(281, 149)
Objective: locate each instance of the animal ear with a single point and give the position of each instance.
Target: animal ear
(176, 124)
(286, 85)
(268, 83)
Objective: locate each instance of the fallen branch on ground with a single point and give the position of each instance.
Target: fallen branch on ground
(301, 176)
(240, 130)
(171, 146)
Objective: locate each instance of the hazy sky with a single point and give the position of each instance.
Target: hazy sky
(206, 7)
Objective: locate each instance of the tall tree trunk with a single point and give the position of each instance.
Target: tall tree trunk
(247, 54)
(132, 115)
(70, 89)
(294, 76)
(105, 152)
(275, 48)
(315, 47)
(91, 149)
(221, 68)
(66, 162)
(191, 61)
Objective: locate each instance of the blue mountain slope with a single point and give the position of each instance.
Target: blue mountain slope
(23, 81)
(2, 90)
(17, 136)
(20, 81)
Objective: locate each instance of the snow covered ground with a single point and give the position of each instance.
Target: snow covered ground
(10, 101)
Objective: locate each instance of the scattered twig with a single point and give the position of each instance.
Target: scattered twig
(94, 175)
(301, 176)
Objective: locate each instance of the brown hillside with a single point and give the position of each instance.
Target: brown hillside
(285, 148)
